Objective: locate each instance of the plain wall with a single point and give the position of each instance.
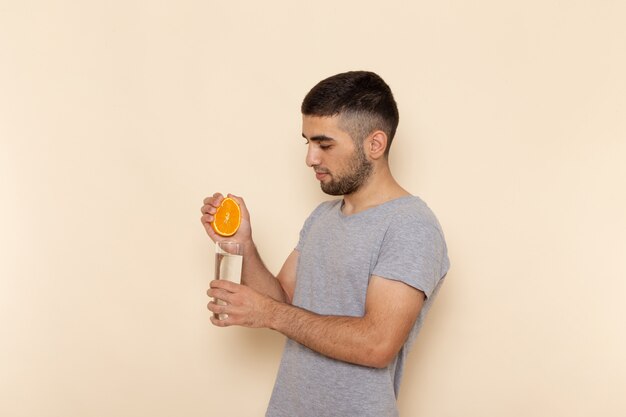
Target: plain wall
(118, 117)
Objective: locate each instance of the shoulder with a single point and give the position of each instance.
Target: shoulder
(411, 222)
(412, 212)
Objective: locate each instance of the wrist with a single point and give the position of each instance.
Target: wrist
(275, 312)
(249, 248)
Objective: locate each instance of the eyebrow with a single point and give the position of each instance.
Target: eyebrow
(318, 138)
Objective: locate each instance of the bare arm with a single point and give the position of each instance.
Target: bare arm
(256, 275)
(373, 340)
(391, 308)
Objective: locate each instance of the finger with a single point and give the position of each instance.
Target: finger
(207, 218)
(208, 228)
(216, 308)
(208, 209)
(219, 322)
(215, 200)
(220, 294)
(242, 205)
(219, 315)
(224, 285)
(214, 292)
(206, 222)
(219, 311)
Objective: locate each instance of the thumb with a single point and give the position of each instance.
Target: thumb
(242, 205)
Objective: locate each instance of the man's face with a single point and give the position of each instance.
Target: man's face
(340, 164)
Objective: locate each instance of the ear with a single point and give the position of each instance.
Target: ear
(376, 144)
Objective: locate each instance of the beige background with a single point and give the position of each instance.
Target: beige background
(118, 117)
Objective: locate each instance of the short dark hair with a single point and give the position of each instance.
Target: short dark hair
(362, 98)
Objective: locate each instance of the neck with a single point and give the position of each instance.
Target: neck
(379, 188)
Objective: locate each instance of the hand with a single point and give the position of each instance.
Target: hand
(244, 306)
(243, 235)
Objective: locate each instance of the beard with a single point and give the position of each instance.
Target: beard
(359, 170)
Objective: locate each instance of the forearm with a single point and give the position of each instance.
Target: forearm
(349, 339)
(256, 275)
(374, 339)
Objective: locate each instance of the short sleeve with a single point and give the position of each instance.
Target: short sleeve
(413, 251)
(303, 233)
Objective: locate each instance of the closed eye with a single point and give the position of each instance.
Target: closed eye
(321, 143)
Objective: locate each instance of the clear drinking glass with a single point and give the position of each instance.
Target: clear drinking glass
(228, 263)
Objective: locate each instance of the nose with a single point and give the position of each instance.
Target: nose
(312, 156)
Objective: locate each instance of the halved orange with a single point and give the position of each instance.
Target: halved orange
(227, 218)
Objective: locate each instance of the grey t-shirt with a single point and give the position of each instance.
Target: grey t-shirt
(399, 240)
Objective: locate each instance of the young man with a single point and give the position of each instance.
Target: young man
(352, 295)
